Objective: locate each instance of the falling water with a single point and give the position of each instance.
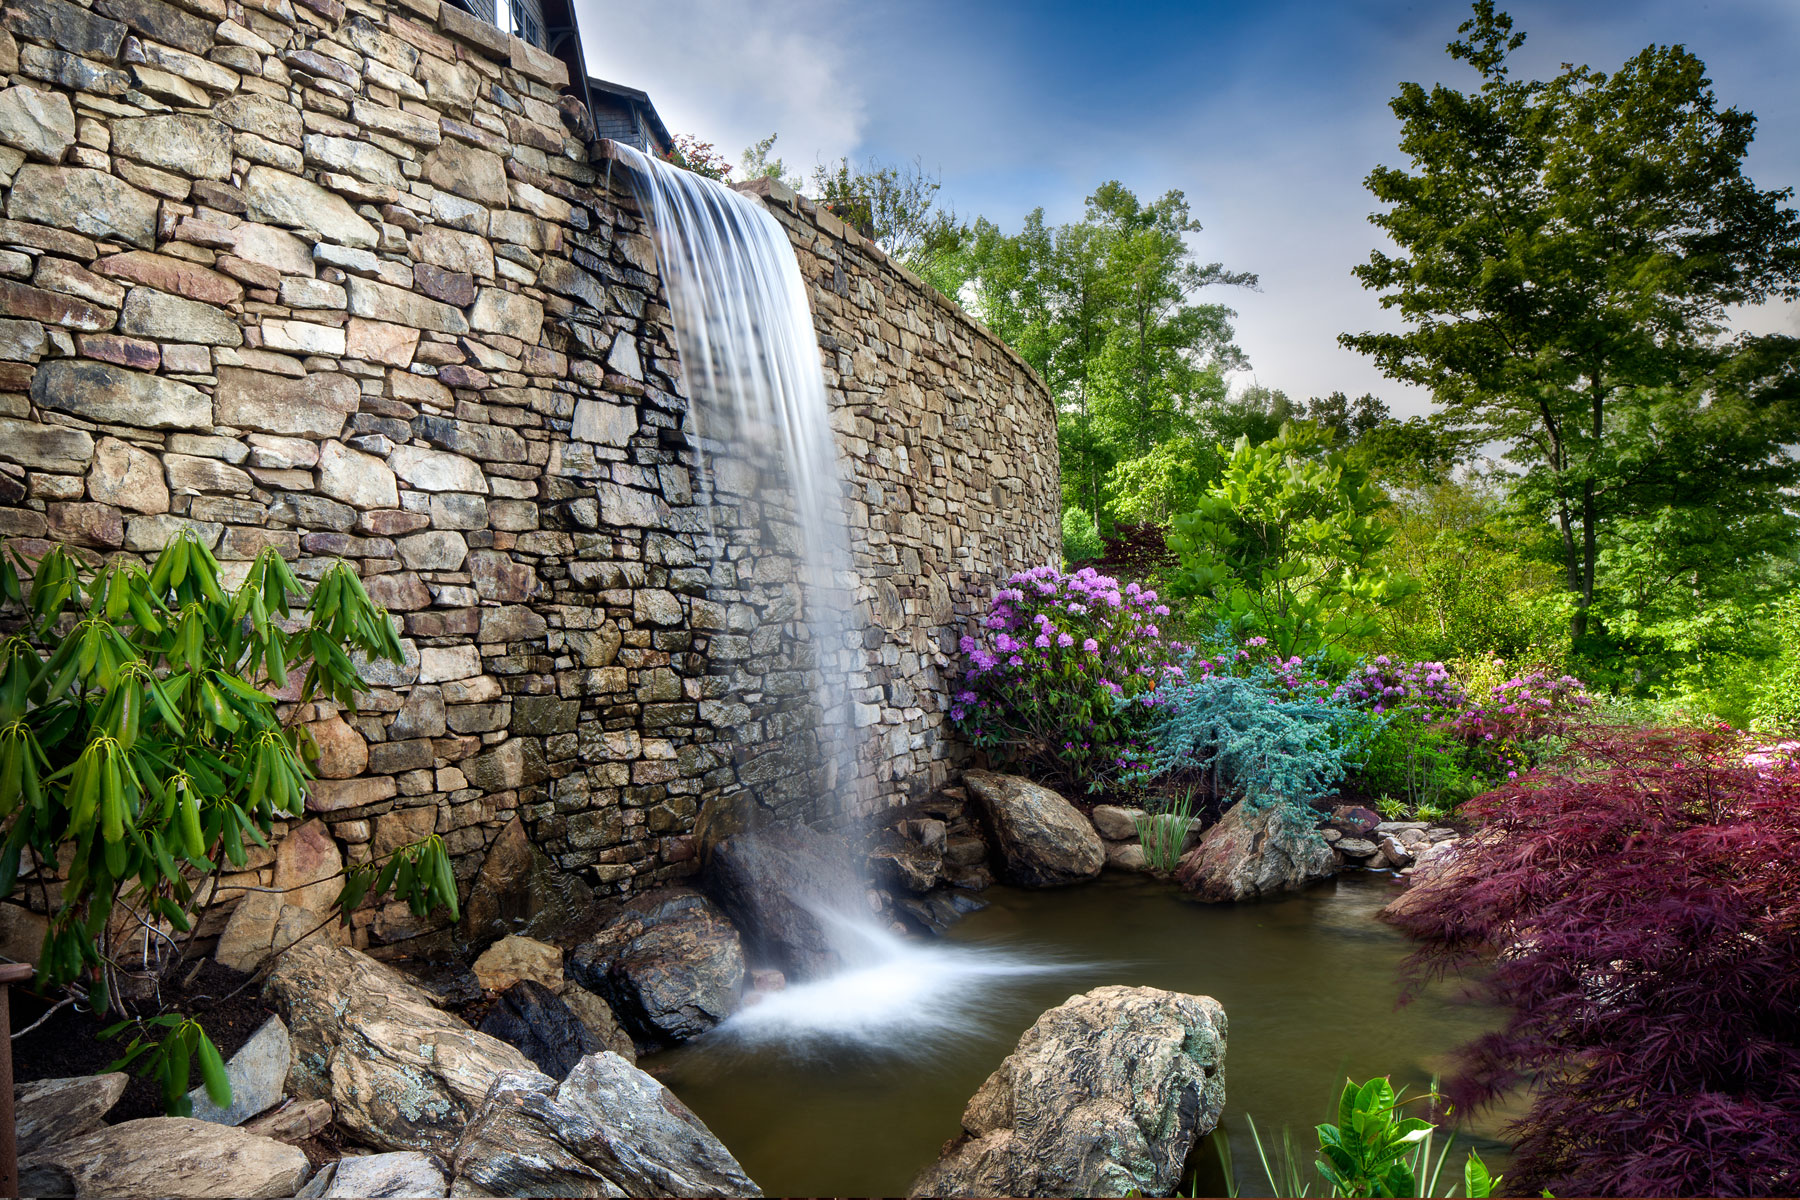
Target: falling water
(750, 357)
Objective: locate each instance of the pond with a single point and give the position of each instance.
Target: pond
(857, 1105)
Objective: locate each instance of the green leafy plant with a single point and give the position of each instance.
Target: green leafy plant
(1163, 834)
(1287, 545)
(169, 1059)
(140, 751)
(1373, 1151)
(1080, 540)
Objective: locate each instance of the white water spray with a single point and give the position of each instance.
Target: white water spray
(750, 356)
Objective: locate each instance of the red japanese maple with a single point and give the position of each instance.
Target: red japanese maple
(1639, 913)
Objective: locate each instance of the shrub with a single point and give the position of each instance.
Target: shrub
(1640, 917)
(140, 751)
(1273, 733)
(1058, 671)
(1287, 545)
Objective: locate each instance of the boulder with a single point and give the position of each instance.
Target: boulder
(1436, 866)
(1126, 856)
(401, 1073)
(774, 883)
(1117, 824)
(1108, 1094)
(519, 890)
(670, 965)
(597, 1015)
(513, 958)
(399, 1173)
(607, 1130)
(901, 862)
(47, 1112)
(1356, 847)
(1043, 840)
(1255, 851)
(1394, 850)
(1354, 820)
(258, 1074)
(165, 1156)
(533, 1018)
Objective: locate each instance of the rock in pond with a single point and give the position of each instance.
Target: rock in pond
(1255, 851)
(670, 965)
(773, 883)
(1107, 1094)
(401, 1073)
(166, 1156)
(601, 1021)
(49, 1111)
(534, 1018)
(607, 1130)
(1043, 840)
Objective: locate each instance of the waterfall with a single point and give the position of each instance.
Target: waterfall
(756, 391)
(750, 358)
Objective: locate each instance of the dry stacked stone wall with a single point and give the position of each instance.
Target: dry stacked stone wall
(343, 279)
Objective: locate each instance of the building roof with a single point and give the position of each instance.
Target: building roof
(640, 100)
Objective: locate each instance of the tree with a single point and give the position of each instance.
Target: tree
(1568, 249)
(755, 163)
(1106, 308)
(897, 208)
(1287, 545)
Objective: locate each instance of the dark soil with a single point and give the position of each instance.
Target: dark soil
(69, 1043)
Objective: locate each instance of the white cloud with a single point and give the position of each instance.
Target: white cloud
(732, 73)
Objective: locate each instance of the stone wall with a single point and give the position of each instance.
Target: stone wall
(341, 279)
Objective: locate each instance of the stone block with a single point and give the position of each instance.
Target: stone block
(441, 664)
(384, 302)
(469, 172)
(197, 147)
(438, 550)
(159, 316)
(509, 313)
(128, 477)
(83, 200)
(45, 447)
(169, 274)
(69, 27)
(281, 199)
(40, 123)
(358, 479)
(436, 471)
(499, 577)
(315, 406)
(114, 396)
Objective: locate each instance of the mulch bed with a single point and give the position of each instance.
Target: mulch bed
(69, 1043)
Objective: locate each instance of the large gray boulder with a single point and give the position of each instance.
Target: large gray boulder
(1043, 840)
(395, 1174)
(780, 886)
(1108, 1094)
(165, 1156)
(1255, 851)
(670, 965)
(401, 1073)
(607, 1130)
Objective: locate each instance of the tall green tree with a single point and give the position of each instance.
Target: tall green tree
(1567, 253)
(898, 208)
(1107, 309)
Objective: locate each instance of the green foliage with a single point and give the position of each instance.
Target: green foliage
(169, 1059)
(1162, 835)
(897, 207)
(1568, 250)
(1373, 1151)
(1080, 540)
(1777, 700)
(756, 163)
(1485, 574)
(1287, 546)
(1416, 763)
(702, 158)
(1106, 310)
(137, 742)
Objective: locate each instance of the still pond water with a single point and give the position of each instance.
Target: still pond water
(835, 1105)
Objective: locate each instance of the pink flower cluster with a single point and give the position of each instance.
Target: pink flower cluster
(1384, 685)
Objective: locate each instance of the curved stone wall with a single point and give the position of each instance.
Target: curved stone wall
(338, 278)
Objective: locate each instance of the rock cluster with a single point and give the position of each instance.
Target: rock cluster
(1255, 850)
(1041, 839)
(346, 281)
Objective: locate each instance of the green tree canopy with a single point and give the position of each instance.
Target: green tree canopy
(1567, 252)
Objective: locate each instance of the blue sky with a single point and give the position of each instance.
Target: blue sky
(1266, 115)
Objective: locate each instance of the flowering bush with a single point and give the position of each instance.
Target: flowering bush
(1058, 672)
(1654, 1002)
